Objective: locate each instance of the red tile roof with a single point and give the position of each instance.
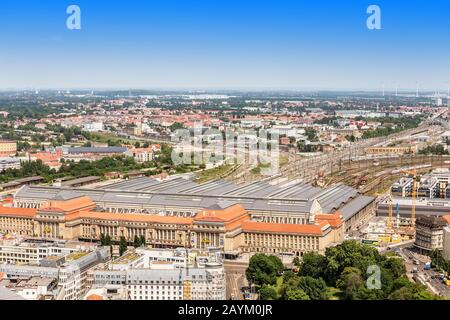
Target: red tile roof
(447, 218)
(334, 220)
(17, 212)
(94, 297)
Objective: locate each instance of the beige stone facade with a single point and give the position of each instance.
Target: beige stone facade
(229, 228)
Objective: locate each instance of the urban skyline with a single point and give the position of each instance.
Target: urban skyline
(225, 150)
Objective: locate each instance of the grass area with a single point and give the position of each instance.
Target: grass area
(284, 160)
(279, 284)
(75, 256)
(104, 137)
(257, 170)
(127, 258)
(334, 293)
(214, 174)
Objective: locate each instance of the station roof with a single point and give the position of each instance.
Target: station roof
(151, 193)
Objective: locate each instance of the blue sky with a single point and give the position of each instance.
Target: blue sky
(236, 44)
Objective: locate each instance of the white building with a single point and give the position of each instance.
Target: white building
(72, 275)
(446, 241)
(9, 163)
(94, 126)
(33, 288)
(32, 252)
(156, 274)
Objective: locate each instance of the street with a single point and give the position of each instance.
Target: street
(235, 278)
(431, 276)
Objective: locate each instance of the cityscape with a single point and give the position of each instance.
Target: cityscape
(248, 192)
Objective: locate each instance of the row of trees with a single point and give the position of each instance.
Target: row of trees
(341, 273)
(438, 261)
(106, 240)
(437, 149)
(392, 125)
(85, 168)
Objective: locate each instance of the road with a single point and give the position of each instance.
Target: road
(235, 277)
(431, 280)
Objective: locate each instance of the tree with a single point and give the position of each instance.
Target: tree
(263, 269)
(350, 282)
(278, 264)
(290, 282)
(412, 291)
(437, 259)
(137, 241)
(296, 294)
(296, 262)
(123, 245)
(176, 126)
(143, 241)
(395, 265)
(102, 239)
(267, 293)
(316, 289)
(313, 265)
(108, 240)
(349, 254)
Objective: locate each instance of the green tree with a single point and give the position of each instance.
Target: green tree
(296, 294)
(263, 269)
(108, 241)
(123, 245)
(296, 262)
(267, 293)
(350, 282)
(395, 265)
(102, 239)
(143, 241)
(316, 289)
(137, 241)
(313, 265)
(412, 291)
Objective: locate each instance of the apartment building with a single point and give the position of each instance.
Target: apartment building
(16, 250)
(446, 244)
(33, 288)
(9, 163)
(72, 272)
(201, 278)
(8, 148)
(430, 233)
